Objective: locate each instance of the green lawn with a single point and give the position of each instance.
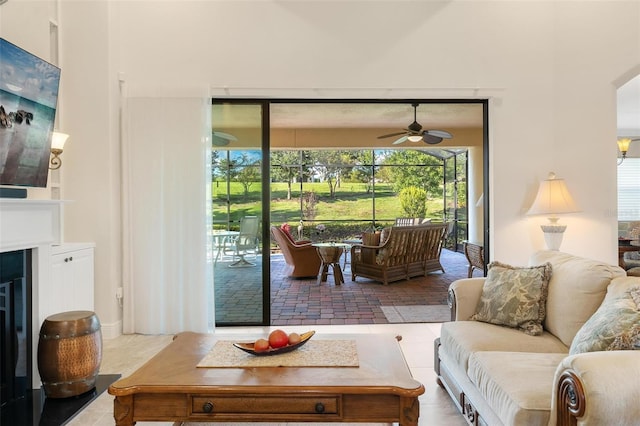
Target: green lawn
(350, 203)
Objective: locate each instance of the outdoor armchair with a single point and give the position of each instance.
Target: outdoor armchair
(302, 259)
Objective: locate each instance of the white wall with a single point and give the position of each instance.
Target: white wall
(548, 69)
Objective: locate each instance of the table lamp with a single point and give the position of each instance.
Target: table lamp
(553, 198)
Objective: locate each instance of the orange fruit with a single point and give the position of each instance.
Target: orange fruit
(261, 345)
(278, 339)
(294, 338)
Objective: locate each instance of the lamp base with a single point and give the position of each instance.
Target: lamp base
(553, 235)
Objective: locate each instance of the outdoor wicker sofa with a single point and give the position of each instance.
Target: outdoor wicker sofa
(401, 253)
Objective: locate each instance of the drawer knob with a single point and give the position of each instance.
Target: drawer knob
(319, 407)
(207, 407)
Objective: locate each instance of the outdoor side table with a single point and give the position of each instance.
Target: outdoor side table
(330, 256)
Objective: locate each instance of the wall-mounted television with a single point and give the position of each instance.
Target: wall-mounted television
(28, 100)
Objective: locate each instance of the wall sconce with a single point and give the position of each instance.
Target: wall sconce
(57, 145)
(623, 146)
(553, 198)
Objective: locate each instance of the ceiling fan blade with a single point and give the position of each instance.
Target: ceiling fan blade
(438, 133)
(224, 135)
(431, 139)
(401, 140)
(218, 141)
(391, 134)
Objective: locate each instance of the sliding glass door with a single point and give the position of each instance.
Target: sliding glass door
(239, 219)
(328, 170)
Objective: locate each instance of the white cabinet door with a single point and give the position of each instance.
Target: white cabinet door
(72, 278)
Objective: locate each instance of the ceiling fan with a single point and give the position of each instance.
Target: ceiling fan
(414, 133)
(221, 138)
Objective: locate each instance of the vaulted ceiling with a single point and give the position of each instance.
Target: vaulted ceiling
(629, 108)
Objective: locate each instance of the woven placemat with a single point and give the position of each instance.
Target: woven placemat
(315, 353)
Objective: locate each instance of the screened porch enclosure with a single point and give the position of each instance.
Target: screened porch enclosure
(324, 193)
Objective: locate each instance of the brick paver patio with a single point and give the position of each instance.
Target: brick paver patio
(305, 302)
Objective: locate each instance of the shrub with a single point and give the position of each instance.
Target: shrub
(413, 201)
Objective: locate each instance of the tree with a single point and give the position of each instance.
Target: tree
(331, 165)
(285, 167)
(419, 169)
(363, 169)
(246, 171)
(309, 205)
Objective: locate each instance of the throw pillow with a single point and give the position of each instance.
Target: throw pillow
(286, 229)
(368, 255)
(514, 297)
(381, 257)
(384, 235)
(614, 326)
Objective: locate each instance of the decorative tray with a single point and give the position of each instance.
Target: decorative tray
(248, 347)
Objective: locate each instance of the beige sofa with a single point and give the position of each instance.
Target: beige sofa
(499, 375)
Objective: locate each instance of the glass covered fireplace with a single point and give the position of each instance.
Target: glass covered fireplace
(15, 325)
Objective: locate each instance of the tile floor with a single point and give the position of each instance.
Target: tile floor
(126, 353)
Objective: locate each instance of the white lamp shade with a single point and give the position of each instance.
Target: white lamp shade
(553, 198)
(414, 138)
(58, 139)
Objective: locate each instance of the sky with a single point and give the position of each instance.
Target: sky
(28, 76)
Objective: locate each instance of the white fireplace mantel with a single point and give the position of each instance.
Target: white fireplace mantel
(35, 225)
(28, 223)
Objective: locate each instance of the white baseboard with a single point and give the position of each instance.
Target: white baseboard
(111, 331)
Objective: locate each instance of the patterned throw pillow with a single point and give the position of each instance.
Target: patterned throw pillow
(614, 326)
(382, 253)
(384, 235)
(515, 297)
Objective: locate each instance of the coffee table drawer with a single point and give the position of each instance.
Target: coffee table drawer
(261, 404)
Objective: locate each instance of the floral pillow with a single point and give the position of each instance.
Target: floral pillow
(515, 297)
(614, 326)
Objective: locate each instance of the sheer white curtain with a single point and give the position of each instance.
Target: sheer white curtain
(166, 278)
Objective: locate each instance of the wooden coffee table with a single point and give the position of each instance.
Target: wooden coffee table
(170, 387)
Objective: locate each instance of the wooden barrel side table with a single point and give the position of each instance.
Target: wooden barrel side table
(69, 353)
(330, 256)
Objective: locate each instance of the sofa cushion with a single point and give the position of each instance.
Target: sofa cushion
(459, 339)
(514, 296)
(382, 253)
(517, 385)
(368, 255)
(616, 323)
(576, 289)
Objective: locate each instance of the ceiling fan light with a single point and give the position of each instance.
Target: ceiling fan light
(414, 138)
